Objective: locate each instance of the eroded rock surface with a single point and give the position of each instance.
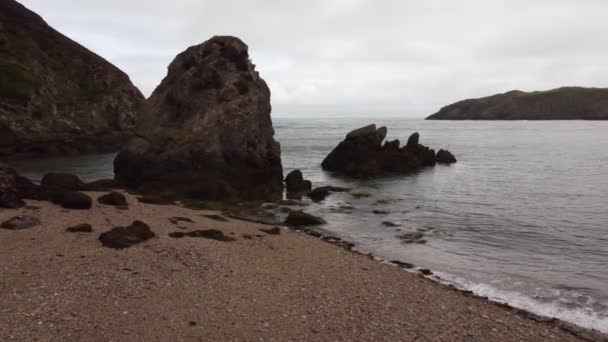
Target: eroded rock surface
(362, 155)
(206, 131)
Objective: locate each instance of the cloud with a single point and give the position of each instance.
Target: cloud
(357, 57)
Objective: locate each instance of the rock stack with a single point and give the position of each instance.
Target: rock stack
(206, 131)
(362, 154)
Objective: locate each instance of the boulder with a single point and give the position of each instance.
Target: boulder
(10, 196)
(300, 218)
(206, 131)
(295, 182)
(362, 155)
(124, 237)
(113, 198)
(21, 222)
(72, 199)
(62, 181)
(445, 157)
(320, 193)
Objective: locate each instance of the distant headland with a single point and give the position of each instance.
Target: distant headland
(567, 103)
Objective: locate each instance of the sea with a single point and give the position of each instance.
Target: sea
(522, 218)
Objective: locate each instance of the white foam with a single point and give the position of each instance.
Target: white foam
(584, 317)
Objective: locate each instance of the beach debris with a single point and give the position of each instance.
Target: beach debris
(124, 237)
(81, 228)
(21, 222)
(300, 218)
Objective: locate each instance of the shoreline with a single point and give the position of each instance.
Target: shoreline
(278, 278)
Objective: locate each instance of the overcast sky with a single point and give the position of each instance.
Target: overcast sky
(357, 57)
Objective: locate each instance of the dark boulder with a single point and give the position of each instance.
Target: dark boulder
(10, 196)
(72, 199)
(124, 237)
(102, 185)
(362, 155)
(295, 182)
(300, 218)
(445, 157)
(21, 222)
(206, 131)
(81, 228)
(113, 198)
(64, 181)
(320, 193)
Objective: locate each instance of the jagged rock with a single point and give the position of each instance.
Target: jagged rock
(445, 157)
(113, 198)
(21, 222)
(413, 140)
(10, 196)
(55, 95)
(124, 237)
(64, 181)
(362, 155)
(206, 131)
(81, 228)
(295, 182)
(300, 218)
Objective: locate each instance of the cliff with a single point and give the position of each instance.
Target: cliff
(55, 95)
(570, 103)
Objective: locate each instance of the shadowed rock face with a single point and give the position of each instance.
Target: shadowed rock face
(55, 95)
(206, 131)
(362, 154)
(568, 103)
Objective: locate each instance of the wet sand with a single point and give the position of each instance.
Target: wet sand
(61, 286)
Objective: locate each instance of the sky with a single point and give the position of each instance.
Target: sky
(401, 58)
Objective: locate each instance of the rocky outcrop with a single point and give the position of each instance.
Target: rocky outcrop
(300, 218)
(568, 103)
(362, 155)
(206, 131)
(55, 95)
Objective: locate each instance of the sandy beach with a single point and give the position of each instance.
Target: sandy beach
(62, 286)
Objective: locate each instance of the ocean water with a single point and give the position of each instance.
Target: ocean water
(521, 218)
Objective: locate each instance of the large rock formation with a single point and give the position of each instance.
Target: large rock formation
(55, 95)
(570, 103)
(206, 131)
(362, 155)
